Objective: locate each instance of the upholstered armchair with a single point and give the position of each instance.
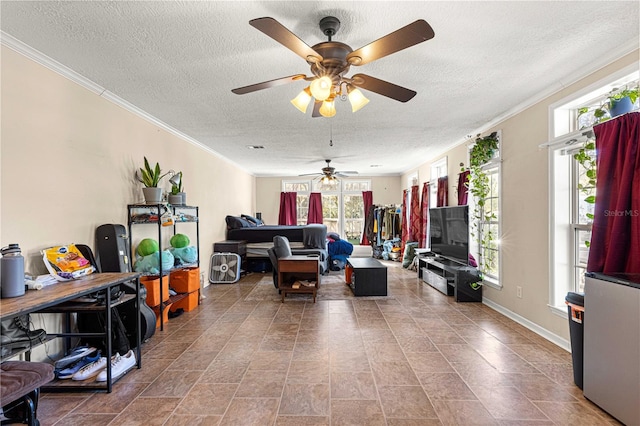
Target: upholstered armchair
(314, 238)
(281, 248)
(315, 242)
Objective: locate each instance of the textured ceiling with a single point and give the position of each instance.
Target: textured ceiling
(179, 60)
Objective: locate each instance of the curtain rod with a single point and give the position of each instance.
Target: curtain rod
(580, 135)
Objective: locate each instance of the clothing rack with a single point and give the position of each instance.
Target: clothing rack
(383, 222)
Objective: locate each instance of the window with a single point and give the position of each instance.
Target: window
(438, 170)
(490, 225)
(485, 233)
(581, 217)
(571, 212)
(412, 180)
(570, 218)
(353, 208)
(301, 188)
(342, 204)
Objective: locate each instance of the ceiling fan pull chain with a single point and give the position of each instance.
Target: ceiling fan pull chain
(330, 134)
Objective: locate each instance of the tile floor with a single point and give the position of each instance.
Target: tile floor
(414, 358)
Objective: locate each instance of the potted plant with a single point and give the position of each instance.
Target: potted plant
(618, 102)
(177, 196)
(150, 178)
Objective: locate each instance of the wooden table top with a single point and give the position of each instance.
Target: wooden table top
(51, 295)
(300, 257)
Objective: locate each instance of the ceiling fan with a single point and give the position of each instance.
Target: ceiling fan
(329, 173)
(331, 60)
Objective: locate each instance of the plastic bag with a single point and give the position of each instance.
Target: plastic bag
(66, 262)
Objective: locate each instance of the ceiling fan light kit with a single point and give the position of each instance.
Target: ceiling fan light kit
(302, 100)
(328, 179)
(330, 61)
(328, 108)
(357, 99)
(321, 88)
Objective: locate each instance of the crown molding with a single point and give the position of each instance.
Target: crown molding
(55, 66)
(612, 56)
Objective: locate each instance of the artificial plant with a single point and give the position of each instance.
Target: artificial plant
(481, 153)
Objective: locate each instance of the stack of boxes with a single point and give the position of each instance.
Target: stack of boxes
(152, 284)
(186, 281)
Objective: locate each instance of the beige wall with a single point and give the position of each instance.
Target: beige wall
(68, 160)
(386, 190)
(525, 207)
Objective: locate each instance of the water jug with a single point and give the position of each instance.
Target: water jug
(11, 272)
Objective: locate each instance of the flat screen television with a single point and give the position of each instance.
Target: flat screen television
(449, 232)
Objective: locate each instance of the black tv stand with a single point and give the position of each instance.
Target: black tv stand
(450, 277)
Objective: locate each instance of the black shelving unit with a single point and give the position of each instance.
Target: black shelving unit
(451, 278)
(150, 214)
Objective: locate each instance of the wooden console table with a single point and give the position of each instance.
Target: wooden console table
(58, 298)
(302, 266)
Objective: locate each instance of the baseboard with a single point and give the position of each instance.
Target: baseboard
(552, 337)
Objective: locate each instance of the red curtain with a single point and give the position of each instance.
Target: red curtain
(414, 223)
(367, 199)
(315, 208)
(405, 230)
(463, 188)
(443, 191)
(424, 216)
(288, 211)
(615, 237)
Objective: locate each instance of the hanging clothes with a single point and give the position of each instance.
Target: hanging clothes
(385, 224)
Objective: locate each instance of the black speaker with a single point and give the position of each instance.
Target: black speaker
(112, 248)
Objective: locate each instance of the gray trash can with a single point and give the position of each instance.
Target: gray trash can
(575, 304)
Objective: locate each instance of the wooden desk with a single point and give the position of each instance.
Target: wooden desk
(58, 298)
(303, 267)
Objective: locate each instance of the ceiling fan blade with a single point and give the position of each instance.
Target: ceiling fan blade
(310, 174)
(347, 172)
(316, 109)
(408, 36)
(383, 88)
(282, 35)
(268, 84)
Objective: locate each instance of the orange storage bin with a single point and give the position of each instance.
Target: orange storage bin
(165, 314)
(189, 303)
(348, 270)
(185, 280)
(153, 289)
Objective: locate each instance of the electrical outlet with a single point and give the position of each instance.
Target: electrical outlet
(519, 292)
